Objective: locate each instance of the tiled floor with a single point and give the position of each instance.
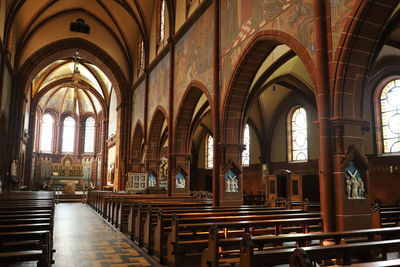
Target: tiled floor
(82, 238)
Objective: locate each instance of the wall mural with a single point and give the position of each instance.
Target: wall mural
(138, 105)
(354, 183)
(158, 86)
(241, 19)
(194, 56)
(340, 11)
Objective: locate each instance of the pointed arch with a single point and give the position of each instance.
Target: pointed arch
(357, 48)
(137, 140)
(184, 116)
(154, 135)
(261, 45)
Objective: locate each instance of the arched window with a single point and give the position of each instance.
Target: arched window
(141, 52)
(297, 133)
(389, 118)
(162, 20)
(68, 138)
(209, 151)
(89, 135)
(246, 142)
(47, 133)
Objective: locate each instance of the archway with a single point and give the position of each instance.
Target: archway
(137, 148)
(92, 55)
(195, 103)
(156, 148)
(251, 76)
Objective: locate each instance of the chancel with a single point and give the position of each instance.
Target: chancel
(200, 132)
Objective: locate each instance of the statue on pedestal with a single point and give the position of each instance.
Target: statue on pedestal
(354, 183)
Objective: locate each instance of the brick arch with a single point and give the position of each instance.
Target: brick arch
(356, 51)
(153, 139)
(65, 48)
(184, 116)
(136, 149)
(261, 45)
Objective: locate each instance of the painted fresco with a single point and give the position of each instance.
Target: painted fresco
(158, 86)
(340, 11)
(194, 56)
(138, 105)
(241, 19)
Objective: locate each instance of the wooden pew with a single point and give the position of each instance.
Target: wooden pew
(138, 212)
(139, 217)
(344, 253)
(123, 208)
(254, 253)
(26, 226)
(385, 216)
(183, 240)
(158, 220)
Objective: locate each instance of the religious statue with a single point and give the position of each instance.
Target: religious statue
(231, 182)
(354, 183)
(163, 173)
(180, 181)
(152, 180)
(348, 186)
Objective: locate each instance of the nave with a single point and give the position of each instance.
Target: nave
(82, 238)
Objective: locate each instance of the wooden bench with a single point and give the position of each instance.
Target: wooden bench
(159, 219)
(186, 241)
(26, 227)
(385, 216)
(253, 251)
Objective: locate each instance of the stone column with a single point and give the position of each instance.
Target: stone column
(230, 161)
(350, 213)
(323, 104)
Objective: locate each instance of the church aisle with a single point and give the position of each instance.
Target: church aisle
(82, 238)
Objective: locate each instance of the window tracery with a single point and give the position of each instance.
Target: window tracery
(297, 133)
(46, 141)
(246, 142)
(68, 138)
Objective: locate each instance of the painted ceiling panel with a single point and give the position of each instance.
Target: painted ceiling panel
(58, 29)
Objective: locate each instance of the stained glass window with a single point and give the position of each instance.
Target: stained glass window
(390, 115)
(246, 142)
(298, 142)
(47, 133)
(162, 20)
(141, 55)
(68, 138)
(209, 151)
(89, 135)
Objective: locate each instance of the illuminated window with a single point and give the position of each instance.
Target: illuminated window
(390, 116)
(141, 55)
(68, 138)
(89, 135)
(246, 142)
(47, 133)
(162, 20)
(209, 151)
(297, 133)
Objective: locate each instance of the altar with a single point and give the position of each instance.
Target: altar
(60, 179)
(67, 173)
(68, 187)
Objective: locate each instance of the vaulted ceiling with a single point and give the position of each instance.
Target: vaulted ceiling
(115, 26)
